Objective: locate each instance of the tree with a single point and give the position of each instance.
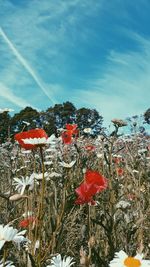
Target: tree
(28, 118)
(50, 120)
(147, 116)
(4, 126)
(89, 118)
(62, 114)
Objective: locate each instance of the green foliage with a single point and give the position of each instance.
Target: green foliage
(64, 113)
(28, 118)
(89, 118)
(147, 116)
(4, 126)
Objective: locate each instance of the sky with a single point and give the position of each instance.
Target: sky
(93, 53)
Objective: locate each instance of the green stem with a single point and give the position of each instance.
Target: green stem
(41, 208)
(4, 256)
(89, 221)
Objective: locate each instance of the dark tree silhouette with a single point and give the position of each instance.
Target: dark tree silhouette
(26, 119)
(4, 126)
(50, 120)
(147, 116)
(89, 118)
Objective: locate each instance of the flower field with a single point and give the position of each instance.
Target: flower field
(75, 199)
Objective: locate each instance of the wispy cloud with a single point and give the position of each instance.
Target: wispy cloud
(7, 94)
(25, 64)
(41, 35)
(122, 88)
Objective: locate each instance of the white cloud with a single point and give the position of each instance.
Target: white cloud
(49, 26)
(7, 94)
(122, 89)
(25, 64)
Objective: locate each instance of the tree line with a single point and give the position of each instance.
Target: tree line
(51, 120)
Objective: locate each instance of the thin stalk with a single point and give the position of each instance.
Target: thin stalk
(41, 208)
(89, 221)
(4, 256)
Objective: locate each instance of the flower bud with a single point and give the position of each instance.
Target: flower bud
(16, 197)
(91, 242)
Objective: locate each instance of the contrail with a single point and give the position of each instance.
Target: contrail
(23, 61)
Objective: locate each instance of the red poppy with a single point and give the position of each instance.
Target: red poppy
(93, 177)
(67, 137)
(82, 200)
(75, 133)
(93, 184)
(120, 171)
(34, 133)
(71, 127)
(26, 222)
(90, 148)
(86, 190)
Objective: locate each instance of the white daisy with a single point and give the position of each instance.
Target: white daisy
(10, 234)
(49, 156)
(142, 150)
(55, 174)
(25, 151)
(58, 262)
(23, 182)
(35, 141)
(52, 139)
(39, 176)
(36, 246)
(27, 123)
(21, 168)
(51, 149)
(117, 156)
(123, 204)
(99, 155)
(49, 162)
(135, 171)
(27, 214)
(87, 130)
(123, 260)
(40, 140)
(7, 264)
(67, 165)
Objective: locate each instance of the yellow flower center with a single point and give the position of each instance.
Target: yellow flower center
(132, 262)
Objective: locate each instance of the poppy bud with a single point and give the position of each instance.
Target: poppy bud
(91, 242)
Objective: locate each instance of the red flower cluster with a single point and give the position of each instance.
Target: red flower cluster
(93, 183)
(71, 131)
(26, 222)
(35, 133)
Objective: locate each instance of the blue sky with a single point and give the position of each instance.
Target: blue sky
(94, 53)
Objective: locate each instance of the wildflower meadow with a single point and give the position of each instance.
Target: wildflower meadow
(75, 199)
